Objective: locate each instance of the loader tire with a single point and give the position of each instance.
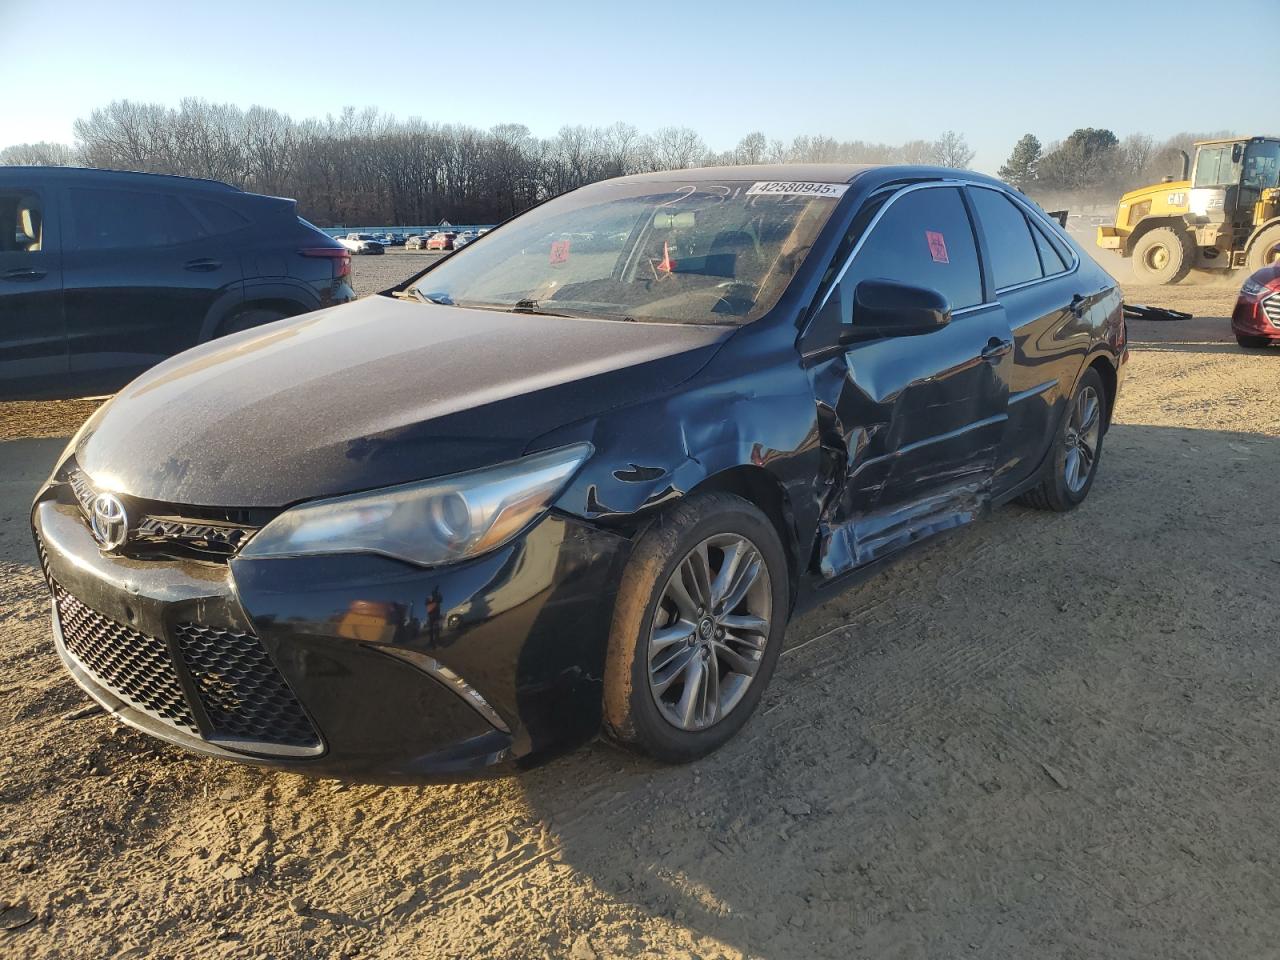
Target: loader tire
(1265, 251)
(1163, 255)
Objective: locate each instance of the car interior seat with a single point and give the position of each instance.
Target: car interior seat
(29, 229)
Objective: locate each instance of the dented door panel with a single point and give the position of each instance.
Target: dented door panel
(913, 426)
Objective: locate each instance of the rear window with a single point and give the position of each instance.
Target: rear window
(107, 219)
(219, 217)
(1014, 258)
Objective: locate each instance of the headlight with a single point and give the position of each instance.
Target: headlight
(1252, 288)
(429, 523)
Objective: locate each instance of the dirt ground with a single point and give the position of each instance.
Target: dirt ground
(1049, 736)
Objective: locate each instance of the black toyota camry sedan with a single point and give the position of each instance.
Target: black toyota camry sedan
(576, 476)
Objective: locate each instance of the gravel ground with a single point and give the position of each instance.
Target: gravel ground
(1049, 736)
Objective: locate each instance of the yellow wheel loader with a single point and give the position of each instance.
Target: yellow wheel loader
(1223, 214)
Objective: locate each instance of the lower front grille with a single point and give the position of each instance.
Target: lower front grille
(242, 692)
(134, 666)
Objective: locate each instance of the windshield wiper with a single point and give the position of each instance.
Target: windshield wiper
(441, 298)
(531, 306)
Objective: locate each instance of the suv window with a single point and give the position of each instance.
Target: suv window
(21, 223)
(113, 219)
(220, 217)
(1013, 251)
(924, 238)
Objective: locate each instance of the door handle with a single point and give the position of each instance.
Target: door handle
(1078, 304)
(24, 273)
(995, 349)
(202, 265)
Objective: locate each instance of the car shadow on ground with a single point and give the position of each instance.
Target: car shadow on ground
(1051, 731)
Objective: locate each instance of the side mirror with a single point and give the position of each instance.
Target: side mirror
(886, 308)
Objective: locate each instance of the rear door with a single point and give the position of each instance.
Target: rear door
(141, 273)
(1039, 288)
(919, 419)
(33, 336)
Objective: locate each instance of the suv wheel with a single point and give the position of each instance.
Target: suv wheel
(697, 628)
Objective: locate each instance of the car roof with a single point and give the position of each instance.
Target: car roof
(90, 174)
(811, 172)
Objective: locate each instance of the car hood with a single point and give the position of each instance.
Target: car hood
(370, 394)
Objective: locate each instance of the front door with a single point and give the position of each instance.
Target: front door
(919, 420)
(33, 335)
(141, 274)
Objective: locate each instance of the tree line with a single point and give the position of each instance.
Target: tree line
(365, 167)
(1095, 161)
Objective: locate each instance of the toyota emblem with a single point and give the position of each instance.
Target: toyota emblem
(109, 521)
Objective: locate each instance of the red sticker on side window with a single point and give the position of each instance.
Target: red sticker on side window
(937, 246)
(560, 251)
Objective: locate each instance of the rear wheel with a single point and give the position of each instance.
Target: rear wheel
(697, 628)
(1265, 251)
(1163, 255)
(1073, 461)
(1252, 343)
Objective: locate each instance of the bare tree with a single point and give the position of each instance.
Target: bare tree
(676, 148)
(952, 150)
(42, 154)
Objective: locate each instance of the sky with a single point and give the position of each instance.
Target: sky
(886, 71)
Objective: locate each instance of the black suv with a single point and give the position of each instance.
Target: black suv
(106, 273)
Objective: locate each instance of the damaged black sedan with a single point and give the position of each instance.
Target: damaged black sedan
(576, 476)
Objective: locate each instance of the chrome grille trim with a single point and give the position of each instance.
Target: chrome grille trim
(217, 539)
(1271, 307)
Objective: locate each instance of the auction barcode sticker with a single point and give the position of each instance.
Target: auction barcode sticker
(793, 188)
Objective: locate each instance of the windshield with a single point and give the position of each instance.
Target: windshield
(1262, 164)
(708, 252)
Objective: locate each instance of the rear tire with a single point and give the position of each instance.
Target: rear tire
(1163, 255)
(1265, 251)
(1072, 464)
(697, 628)
(1252, 343)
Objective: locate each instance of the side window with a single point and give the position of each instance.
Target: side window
(23, 223)
(220, 217)
(924, 238)
(1013, 251)
(1052, 261)
(115, 219)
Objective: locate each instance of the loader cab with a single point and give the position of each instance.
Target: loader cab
(1230, 177)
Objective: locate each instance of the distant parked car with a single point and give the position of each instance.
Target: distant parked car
(462, 239)
(442, 241)
(418, 242)
(362, 243)
(104, 274)
(1256, 318)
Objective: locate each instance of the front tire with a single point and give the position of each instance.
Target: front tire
(1252, 343)
(1163, 255)
(1077, 448)
(697, 628)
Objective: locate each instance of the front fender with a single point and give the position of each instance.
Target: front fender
(648, 455)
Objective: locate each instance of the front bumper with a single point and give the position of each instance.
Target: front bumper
(360, 667)
(1257, 318)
